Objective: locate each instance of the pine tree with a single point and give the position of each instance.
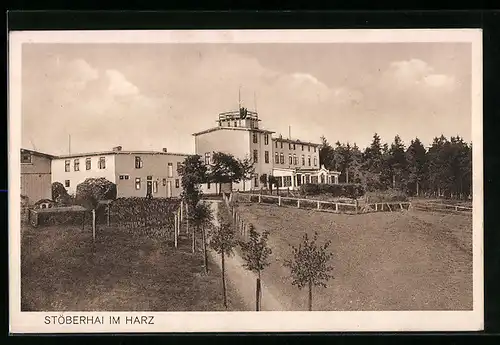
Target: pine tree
(417, 167)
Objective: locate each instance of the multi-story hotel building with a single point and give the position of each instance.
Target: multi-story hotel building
(292, 162)
(135, 173)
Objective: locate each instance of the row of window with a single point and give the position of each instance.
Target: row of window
(88, 164)
(253, 123)
(67, 183)
(102, 165)
(292, 146)
(279, 158)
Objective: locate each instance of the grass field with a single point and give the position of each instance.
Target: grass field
(382, 261)
(61, 270)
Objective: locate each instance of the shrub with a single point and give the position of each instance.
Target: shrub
(59, 193)
(389, 195)
(335, 190)
(97, 189)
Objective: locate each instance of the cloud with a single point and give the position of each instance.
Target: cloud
(415, 72)
(79, 74)
(119, 85)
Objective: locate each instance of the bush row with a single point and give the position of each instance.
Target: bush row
(335, 190)
(386, 196)
(143, 212)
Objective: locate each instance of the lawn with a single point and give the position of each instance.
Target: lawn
(61, 270)
(382, 261)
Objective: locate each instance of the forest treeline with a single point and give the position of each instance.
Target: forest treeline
(444, 169)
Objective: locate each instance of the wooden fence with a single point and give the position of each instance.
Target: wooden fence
(432, 206)
(241, 227)
(321, 205)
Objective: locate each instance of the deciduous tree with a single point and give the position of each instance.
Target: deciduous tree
(309, 265)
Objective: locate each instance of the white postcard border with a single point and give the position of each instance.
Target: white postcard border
(359, 321)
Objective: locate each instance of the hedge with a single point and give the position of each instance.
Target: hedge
(386, 196)
(335, 190)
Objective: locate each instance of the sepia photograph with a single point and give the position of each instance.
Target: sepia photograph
(211, 173)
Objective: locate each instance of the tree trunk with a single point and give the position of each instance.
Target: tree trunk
(93, 225)
(417, 188)
(205, 256)
(310, 296)
(347, 175)
(393, 181)
(258, 294)
(193, 236)
(223, 281)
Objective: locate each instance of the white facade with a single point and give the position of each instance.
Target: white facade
(71, 177)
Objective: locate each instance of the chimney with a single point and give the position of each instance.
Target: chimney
(164, 149)
(117, 148)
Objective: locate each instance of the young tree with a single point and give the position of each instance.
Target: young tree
(201, 218)
(326, 154)
(256, 254)
(247, 170)
(223, 241)
(309, 265)
(225, 169)
(272, 181)
(263, 181)
(193, 173)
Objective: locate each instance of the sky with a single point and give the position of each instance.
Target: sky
(150, 96)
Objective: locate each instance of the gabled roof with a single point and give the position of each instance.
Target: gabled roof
(37, 153)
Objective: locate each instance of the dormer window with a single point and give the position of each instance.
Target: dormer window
(138, 162)
(25, 158)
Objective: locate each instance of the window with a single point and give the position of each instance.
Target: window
(228, 124)
(88, 163)
(309, 160)
(76, 165)
(102, 162)
(308, 179)
(176, 183)
(155, 186)
(314, 148)
(25, 158)
(66, 165)
(309, 148)
(138, 162)
(295, 160)
(66, 183)
(302, 147)
(289, 146)
(235, 124)
(287, 181)
(164, 182)
(282, 158)
(266, 139)
(220, 123)
(314, 179)
(290, 159)
(315, 161)
(255, 138)
(207, 158)
(256, 180)
(170, 170)
(255, 156)
(294, 146)
(178, 166)
(137, 183)
(276, 143)
(123, 177)
(208, 185)
(276, 158)
(279, 180)
(266, 156)
(303, 160)
(281, 144)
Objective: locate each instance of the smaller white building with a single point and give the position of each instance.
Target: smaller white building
(293, 178)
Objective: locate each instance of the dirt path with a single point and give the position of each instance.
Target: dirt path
(243, 280)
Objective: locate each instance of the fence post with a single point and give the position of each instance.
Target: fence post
(175, 230)
(109, 206)
(259, 199)
(181, 209)
(336, 207)
(318, 205)
(376, 207)
(298, 203)
(279, 200)
(356, 206)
